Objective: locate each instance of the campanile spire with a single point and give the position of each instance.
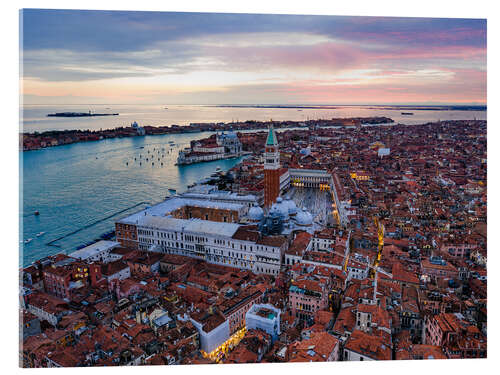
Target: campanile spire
(271, 168)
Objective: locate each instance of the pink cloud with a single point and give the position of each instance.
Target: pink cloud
(460, 91)
(338, 56)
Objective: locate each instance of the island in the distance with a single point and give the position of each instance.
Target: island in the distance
(36, 140)
(80, 114)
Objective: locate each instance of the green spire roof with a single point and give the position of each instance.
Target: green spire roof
(271, 137)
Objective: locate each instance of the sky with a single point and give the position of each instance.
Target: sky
(117, 57)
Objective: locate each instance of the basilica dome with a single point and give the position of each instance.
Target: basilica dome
(292, 208)
(282, 207)
(255, 213)
(304, 218)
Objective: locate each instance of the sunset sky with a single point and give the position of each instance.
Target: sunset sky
(81, 57)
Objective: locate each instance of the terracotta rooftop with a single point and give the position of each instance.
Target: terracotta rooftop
(317, 349)
(209, 321)
(274, 241)
(245, 233)
(368, 345)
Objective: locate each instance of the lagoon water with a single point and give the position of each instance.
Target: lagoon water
(35, 116)
(76, 185)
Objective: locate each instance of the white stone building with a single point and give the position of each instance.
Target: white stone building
(99, 251)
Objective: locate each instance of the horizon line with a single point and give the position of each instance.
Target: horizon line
(276, 104)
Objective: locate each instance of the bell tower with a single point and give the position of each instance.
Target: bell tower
(271, 168)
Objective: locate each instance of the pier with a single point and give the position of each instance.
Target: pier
(52, 243)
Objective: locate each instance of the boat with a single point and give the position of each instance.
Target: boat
(40, 234)
(28, 240)
(36, 213)
(218, 170)
(407, 113)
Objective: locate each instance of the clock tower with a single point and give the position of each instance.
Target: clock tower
(271, 168)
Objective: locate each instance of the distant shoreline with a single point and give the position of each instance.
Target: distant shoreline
(80, 114)
(52, 138)
(386, 107)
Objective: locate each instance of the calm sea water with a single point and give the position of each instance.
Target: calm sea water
(76, 185)
(35, 116)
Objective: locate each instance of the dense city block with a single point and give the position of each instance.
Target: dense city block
(348, 242)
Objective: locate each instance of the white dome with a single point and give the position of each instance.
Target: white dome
(292, 208)
(274, 209)
(255, 213)
(303, 218)
(282, 208)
